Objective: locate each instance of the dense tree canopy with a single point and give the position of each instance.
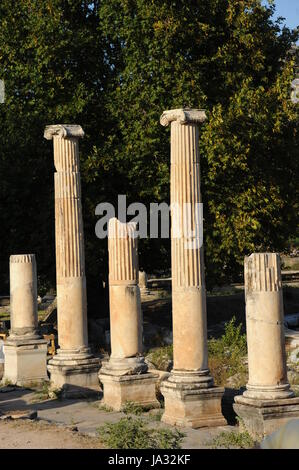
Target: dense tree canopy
(113, 66)
(52, 61)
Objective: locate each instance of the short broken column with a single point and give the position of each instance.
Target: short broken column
(143, 285)
(74, 368)
(25, 349)
(190, 396)
(125, 377)
(268, 401)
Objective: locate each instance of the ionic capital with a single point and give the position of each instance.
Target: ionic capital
(64, 131)
(183, 116)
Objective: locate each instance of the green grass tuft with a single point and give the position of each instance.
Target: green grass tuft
(133, 408)
(233, 439)
(134, 433)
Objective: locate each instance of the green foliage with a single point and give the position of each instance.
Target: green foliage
(231, 341)
(131, 407)
(226, 57)
(51, 59)
(133, 433)
(160, 357)
(44, 392)
(227, 354)
(228, 440)
(113, 66)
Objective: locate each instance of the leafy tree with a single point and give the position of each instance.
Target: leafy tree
(113, 67)
(231, 59)
(51, 58)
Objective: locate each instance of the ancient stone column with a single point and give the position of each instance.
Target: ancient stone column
(125, 377)
(265, 329)
(267, 401)
(73, 366)
(143, 286)
(190, 382)
(25, 349)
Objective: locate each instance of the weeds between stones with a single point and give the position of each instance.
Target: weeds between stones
(233, 439)
(134, 433)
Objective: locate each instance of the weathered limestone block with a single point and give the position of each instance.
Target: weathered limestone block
(138, 388)
(268, 401)
(74, 366)
(25, 349)
(125, 376)
(187, 399)
(262, 417)
(143, 285)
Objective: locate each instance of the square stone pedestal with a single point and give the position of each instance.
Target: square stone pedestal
(262, 417)
(75, 377)
(139, 388)
(25, 361)
(192, 407)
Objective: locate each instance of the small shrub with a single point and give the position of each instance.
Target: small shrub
(231, 341)
(132, 408)
(228, 440)
(226, 355)
(160, 357)
(133, 433)
(45, 392)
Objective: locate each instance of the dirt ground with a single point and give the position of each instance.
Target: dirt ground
(39, 435)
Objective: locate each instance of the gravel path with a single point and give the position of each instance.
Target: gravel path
(39, 435)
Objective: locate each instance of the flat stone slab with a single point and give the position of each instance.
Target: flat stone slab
(19, 414)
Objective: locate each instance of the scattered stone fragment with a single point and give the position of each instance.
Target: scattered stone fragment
(19, 414)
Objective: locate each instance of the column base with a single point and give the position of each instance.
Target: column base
(262, 417)
(25, 361)
(75, 373)
(125, 366)
(138, 388)
(268, 393)
(194, 405)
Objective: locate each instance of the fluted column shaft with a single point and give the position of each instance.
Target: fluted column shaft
(265, 329)
(188, 284)
(70, 263)
(23, 296)
(125, 306)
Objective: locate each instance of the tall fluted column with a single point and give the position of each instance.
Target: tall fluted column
(125, 376)
(188, 283)
(268, 401)
(25, 349)
(70, 263)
